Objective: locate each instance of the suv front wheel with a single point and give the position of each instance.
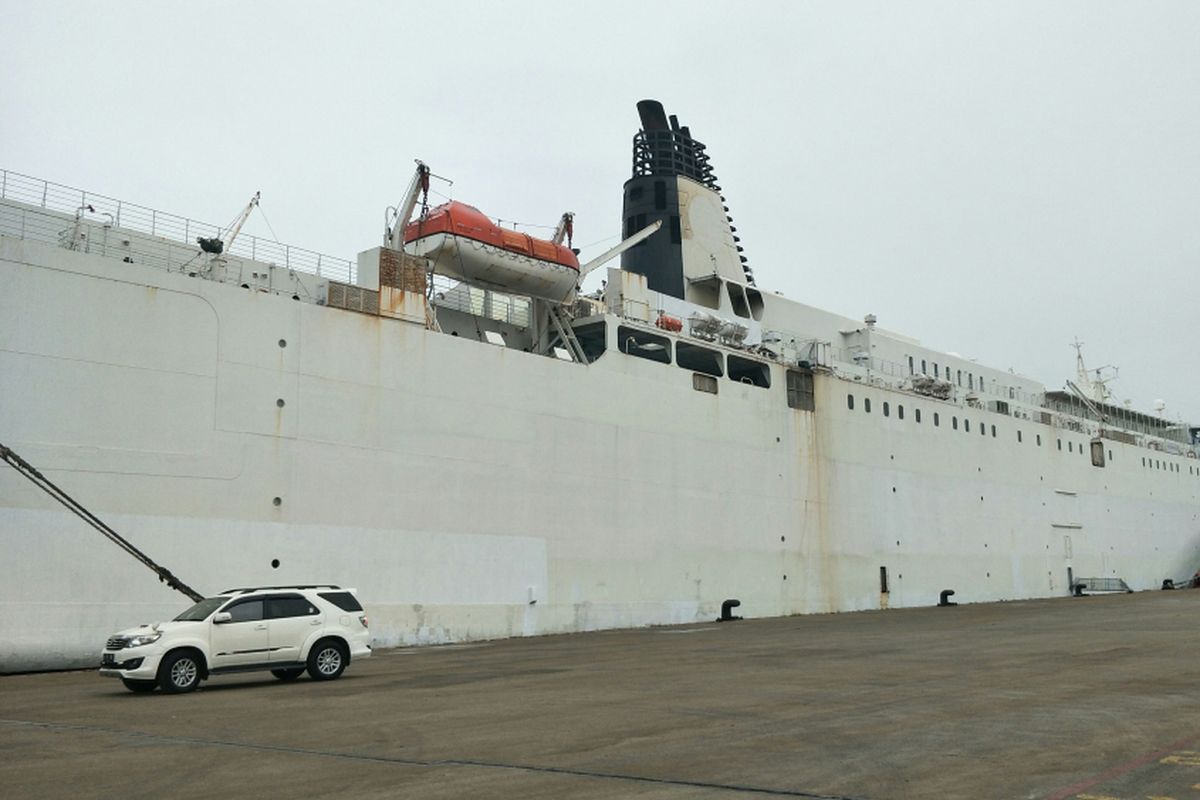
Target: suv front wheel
(179, 672)
(327, 660)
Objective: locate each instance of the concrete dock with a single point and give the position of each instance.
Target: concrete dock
(1095, 697)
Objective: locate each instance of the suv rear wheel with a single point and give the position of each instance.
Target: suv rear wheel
(327, 660)
(179, 672)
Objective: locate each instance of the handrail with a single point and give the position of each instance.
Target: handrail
(101, 209)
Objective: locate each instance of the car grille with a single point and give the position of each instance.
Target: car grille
(116, 643)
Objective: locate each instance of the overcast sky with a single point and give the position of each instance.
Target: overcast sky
(994, 179)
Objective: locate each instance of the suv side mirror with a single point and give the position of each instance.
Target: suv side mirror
(223, 616)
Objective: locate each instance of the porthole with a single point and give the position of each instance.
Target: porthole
(866, 405)
(850, 402)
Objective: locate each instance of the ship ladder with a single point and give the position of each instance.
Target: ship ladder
(566, 333)
(46, 485)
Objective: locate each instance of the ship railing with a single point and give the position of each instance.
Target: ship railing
(64, 204)
(479, 302)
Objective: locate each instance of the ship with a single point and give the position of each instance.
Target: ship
(452, 425)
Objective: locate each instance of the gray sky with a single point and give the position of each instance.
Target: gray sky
(994, 178)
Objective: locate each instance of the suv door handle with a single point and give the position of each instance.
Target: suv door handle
(315, 622)
(262, 627)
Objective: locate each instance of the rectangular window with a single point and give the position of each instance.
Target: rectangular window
(900, 412)
(917, 415)
(936, 420)
(960, 377)
(639, 343)
(743, 370)
(966, 426)
(850, 405)
(1018, 436)
(887, 409)
(699, 359)
(867, 405)
(954, 423)
(246, 611)
(800, 390)
(993, 431)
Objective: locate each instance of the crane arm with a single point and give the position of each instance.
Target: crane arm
(417, 187)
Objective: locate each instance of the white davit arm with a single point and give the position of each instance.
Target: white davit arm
(241, 220)
(565, 229)
(613, 252)
(418, 186)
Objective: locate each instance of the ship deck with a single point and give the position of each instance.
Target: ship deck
(1066, 698)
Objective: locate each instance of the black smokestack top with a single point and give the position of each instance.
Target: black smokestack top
(664, 147)
(652, 114)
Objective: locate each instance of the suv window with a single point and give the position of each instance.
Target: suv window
(246, 611)
(289, 606)
(343, 600)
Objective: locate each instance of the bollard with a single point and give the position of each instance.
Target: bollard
(727, 611)
(944, 599)
(1168, 584)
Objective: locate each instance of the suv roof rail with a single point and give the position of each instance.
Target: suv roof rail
(273, 588)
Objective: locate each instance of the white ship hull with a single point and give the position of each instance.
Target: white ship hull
(471, 491)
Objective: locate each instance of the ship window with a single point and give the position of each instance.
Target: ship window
(954, 423)
(704, 383)
(960, 377)
(883, 580)
(1018, 436)
(1143, 461)
(1070, 446)
(924, 370)
(850, 405)
(867, 404)
(936, 420)
(971, 381)
(673, 229)
(900, 412)
(593, 338)
(935, 370)
(743, 370)
(1110, 458)
(1012, 393)
(967, 425)
(1039, 439)
(887, 409)
(639, 343)
(737, 299)
(800, 390)
(1060, 444)
(660, 195)
(1097, 453)
(911, 370)
(698, 359)
(917, 415)
(755, 298)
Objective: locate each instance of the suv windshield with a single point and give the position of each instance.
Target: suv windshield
(200, 611)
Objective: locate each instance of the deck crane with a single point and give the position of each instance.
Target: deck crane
(393, 235)
(214, 245)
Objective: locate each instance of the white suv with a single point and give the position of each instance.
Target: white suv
(284, 629)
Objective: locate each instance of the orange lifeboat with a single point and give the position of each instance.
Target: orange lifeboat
(464, 243)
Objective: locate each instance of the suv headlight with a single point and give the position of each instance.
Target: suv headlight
(144, 638)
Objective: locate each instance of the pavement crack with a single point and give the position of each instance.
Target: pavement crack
(410, 762)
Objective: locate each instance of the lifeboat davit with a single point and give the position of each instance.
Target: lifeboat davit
(464, 243)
